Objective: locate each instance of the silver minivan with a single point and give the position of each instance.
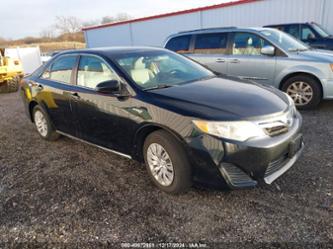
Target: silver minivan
(264, 55)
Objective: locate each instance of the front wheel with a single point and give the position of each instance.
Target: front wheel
(43, 124)
(167, 163)
(304, 90)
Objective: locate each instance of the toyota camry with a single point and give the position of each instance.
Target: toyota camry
(184, 122)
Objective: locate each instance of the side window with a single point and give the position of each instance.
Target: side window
(93, 71)
(248, 44)
(61, 69)
(180, 44)
(293, 30)
(307, 33)
(211, 43)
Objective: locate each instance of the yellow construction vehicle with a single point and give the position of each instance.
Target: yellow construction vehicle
(11, 72)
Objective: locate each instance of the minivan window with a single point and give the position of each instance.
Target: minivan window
(61, 69)
(283, 40)
(215, 43)
(180, 44)
(93, 71)
(248, 44)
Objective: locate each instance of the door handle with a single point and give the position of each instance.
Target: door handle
(235, 61)
(220, 60)
(75, 96)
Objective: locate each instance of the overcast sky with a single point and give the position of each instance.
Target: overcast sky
(19, 18)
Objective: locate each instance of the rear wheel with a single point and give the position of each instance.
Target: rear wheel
(304, 90)
(43, 124)
(166, 162)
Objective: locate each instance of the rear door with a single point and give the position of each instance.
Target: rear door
(54, 89)
(211, 50)
(246, 60)
(101, 118)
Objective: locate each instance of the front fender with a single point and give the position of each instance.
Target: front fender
(298, 69)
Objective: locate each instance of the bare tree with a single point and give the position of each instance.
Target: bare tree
(48, 33)
(68, 24)
(118, 18)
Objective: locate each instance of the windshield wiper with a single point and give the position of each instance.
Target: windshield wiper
(160, 86)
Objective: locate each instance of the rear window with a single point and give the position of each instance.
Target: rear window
(180, 44)
(211, 43)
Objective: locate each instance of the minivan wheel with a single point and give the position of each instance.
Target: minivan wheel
(166, 162)
(304, 90)
(43, 124)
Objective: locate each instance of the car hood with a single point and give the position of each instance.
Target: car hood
(318, 55)
(221, 99)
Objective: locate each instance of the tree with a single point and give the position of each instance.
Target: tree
(68, 24)
(118, 18)
(48, 33)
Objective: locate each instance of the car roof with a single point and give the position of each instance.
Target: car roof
(218, 30)
(286, 24)
(113, 51)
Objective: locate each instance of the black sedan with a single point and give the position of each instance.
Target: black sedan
(187, 124)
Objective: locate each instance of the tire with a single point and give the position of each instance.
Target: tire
(13, 85)
(10, 86)
(41, 118)
(303, 86)
(182, 172)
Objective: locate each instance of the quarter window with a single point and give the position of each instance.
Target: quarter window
(93, 71)
(248, 44)
(179, 44)
(211, 43)
(61, 69)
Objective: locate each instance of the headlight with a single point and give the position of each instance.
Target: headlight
(291, 104)
(238, 130)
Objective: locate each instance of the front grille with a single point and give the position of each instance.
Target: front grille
(275, 165)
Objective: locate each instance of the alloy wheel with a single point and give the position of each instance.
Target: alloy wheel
(41, 123)
(160, 164)
(301, 92)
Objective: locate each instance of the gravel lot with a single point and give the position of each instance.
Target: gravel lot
(67, 192)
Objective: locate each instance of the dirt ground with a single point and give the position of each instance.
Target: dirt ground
(66, 192)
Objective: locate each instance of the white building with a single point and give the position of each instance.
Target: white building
(154, 30)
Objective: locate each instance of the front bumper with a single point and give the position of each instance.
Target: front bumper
(244, 164)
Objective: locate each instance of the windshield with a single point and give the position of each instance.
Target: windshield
(155, 69)
(322, 32)
(283, 40)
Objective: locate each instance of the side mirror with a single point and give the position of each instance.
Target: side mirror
(268, 50)
(110, 86)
